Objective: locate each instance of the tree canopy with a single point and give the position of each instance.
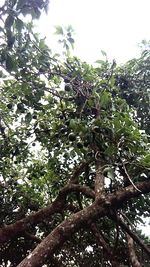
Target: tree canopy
(74, 151)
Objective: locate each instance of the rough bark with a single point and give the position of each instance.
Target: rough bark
(67, 228)
(132, 255)
(10, 231)
(60, 234)
(99, 180)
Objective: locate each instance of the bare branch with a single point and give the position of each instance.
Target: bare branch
(78, 170)
(133, 235)
(100, 240)
(128, 176)
(32, 237)
(132, 255)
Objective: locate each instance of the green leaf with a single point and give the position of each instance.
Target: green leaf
(28, 117)
(1, 29)
(10, 64)
(110, 174)
(101, 62)
(73, 124)
(59, 30)
(10, 39)
(105, 99)
(19, 24)
(71, 40)
(147, 159)
(3, 56)
(103, 53)
(69, 29)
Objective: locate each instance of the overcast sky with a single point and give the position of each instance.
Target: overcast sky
(115, 26)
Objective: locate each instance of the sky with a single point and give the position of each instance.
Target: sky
(115, 26)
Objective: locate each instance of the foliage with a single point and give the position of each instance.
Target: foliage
(66, 125)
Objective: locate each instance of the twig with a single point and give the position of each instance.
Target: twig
(129, 178)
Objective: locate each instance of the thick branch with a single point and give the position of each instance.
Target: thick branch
(9, 231)
(132, 255)
(79, 188)
(62, 232)
(59, 235)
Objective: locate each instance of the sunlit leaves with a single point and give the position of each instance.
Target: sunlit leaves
(66, 38)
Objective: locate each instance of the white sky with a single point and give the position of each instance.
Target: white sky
(115, 26)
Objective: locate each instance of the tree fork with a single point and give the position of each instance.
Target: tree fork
(62, 232)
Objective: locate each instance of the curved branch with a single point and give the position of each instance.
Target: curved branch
(63, 231)
(78, 170)
(9, 231)
(78, 188)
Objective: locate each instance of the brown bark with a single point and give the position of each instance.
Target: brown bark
(99, 180)
(132, 255)
(12, 230)
(78, 170)
(32, 237)
(100, 241)
(62, 232)
(9, 231)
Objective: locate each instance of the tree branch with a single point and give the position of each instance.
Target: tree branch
(32, 237)
(78, 170)
(132, 255)
(63, 231)
(78, 188)
(133, 235)
(9, 231)
(99, 180)
(100, 241)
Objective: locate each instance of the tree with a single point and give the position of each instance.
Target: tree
(75, 154)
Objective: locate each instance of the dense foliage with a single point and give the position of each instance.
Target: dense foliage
(74, 151)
